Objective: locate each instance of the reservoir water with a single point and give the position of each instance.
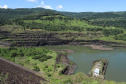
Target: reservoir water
(84, 56)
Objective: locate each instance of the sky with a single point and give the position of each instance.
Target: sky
(68, 5)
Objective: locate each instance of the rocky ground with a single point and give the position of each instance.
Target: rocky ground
(70, 66)
(18, 74)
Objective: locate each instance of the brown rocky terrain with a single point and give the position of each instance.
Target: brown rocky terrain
(18, 74)
(42, 38)
(70, 66)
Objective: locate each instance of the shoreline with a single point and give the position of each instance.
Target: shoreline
(99, 47)
(70, 70)
(70, 66)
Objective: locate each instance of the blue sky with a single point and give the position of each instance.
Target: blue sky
(68, 5)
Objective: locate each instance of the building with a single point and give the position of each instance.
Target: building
(96, 71)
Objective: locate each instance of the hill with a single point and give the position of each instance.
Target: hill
(116, 19)
(39, 27)
(48, 20)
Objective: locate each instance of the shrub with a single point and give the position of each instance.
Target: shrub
(13, 60)
(50, 68)
(36, 57)
(21, 54)
(42, 59)
(39, 56)
(48, 74)
(27, 61)
(14, 54)
(21, 64)
(68, 82)
(36, 68)
(34, 64)
(45, 66)
(57, 66)
(3, 78)
(49, 57)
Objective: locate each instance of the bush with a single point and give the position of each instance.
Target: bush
(36, 68)
(36, 57)
(11, 48)
(3, 78)
(45, 66)
(49, 57)
(21, 64)
(48, 74)
(13, 60)
(67, 81)
(21, 54)
(14, 54)
(42, 59)
(108, 32)
(27, 61)
(39, 56)
(57, 66)
(34, 64)
(50, 68)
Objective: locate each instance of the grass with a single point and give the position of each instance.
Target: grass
(12, 28)
(47, 67)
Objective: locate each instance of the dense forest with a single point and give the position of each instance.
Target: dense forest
(116, 19)
(111, 24)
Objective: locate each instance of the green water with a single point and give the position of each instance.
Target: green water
(84, 56)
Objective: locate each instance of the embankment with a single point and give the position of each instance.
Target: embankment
(18, 74)
(70, 66)
(30, 38)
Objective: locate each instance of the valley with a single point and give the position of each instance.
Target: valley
(55, 45)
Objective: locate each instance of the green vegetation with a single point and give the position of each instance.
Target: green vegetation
(3, 78)
(48, 21)
(26, 56)
(46, 68)
(80, 26)
(104, 19)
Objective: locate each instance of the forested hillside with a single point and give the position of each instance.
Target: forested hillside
(23, 28)
(117, 19)
(109, 24)
(7, 14)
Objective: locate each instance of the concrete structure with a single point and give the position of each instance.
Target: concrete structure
(96, 72)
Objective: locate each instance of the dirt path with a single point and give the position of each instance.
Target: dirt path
(18, 74)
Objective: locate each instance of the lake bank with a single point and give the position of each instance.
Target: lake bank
(84, 56)
(99, 47)
(70, 66)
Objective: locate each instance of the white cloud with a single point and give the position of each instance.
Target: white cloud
(42, 3)
(5, 7)
(59, 7)
(44, 6)
(47, 7)
(33, 0)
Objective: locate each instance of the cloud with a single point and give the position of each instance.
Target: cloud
(5, 7)
(59, 7)
(42, 3)
(44, 6)
(33, 1)
(47, 7)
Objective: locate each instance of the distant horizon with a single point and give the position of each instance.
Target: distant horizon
(66, 11)
(67, 5)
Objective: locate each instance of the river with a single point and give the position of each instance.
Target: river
(84, 56)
